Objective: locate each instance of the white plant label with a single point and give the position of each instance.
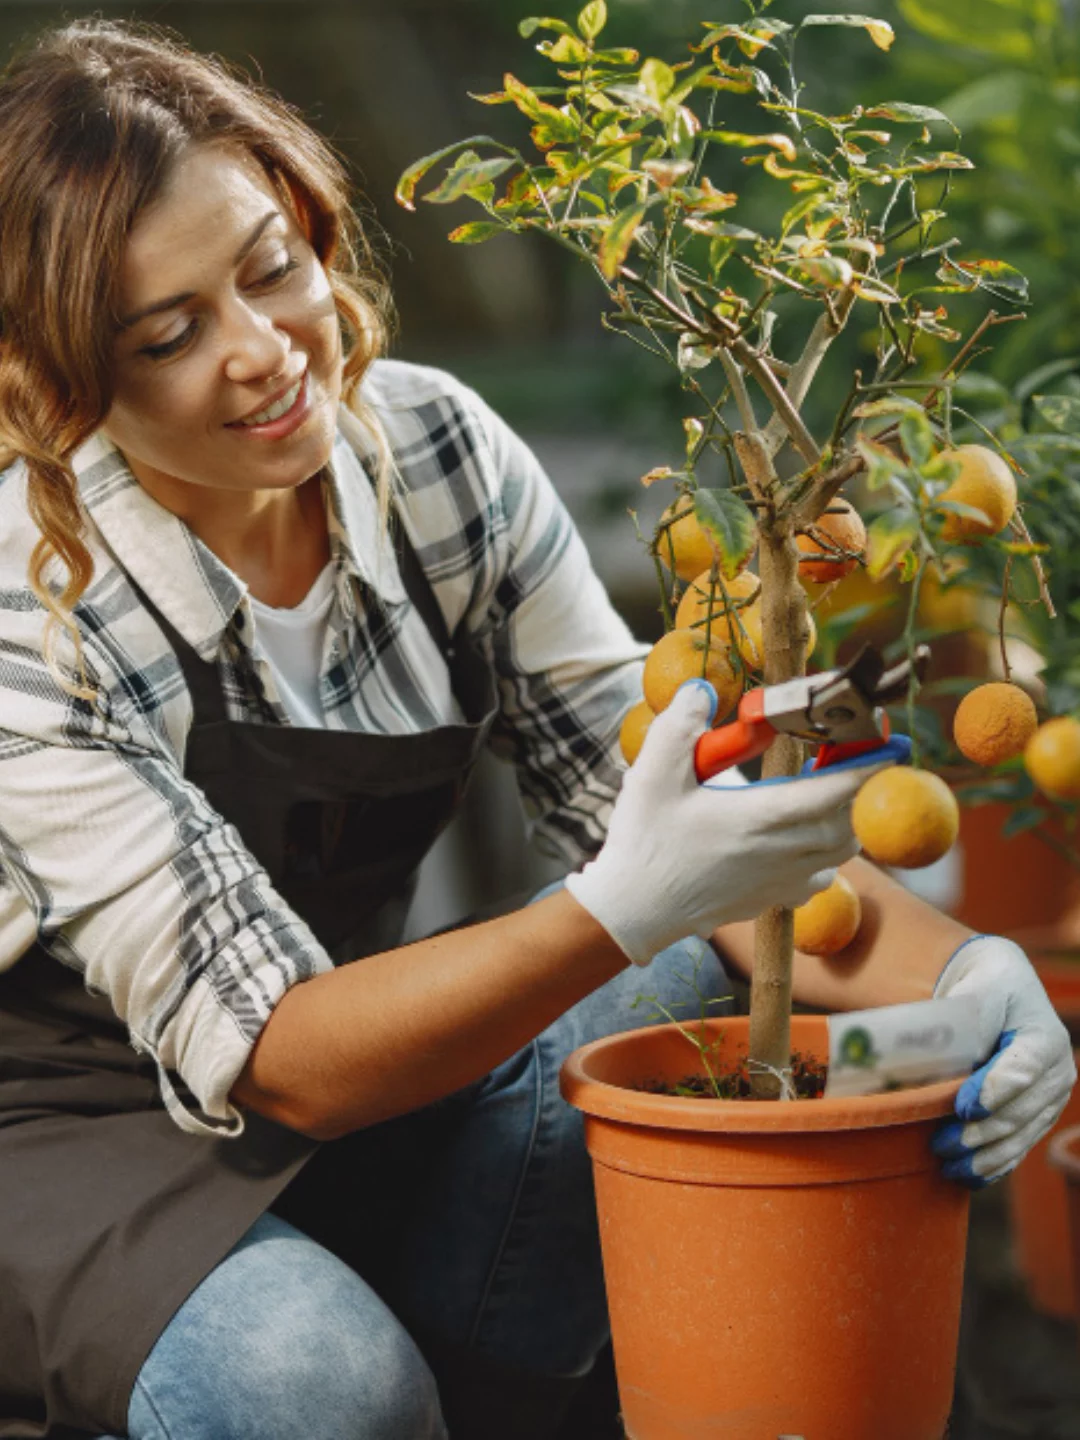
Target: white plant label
(901, 1045)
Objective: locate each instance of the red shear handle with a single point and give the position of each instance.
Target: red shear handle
(748, 735)
(831, 754)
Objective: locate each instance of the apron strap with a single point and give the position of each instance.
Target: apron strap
(201, 676)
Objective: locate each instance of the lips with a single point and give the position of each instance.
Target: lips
(275, 409)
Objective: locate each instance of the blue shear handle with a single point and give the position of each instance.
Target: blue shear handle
(894, 751)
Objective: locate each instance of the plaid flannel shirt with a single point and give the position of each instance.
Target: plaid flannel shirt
(119, 865)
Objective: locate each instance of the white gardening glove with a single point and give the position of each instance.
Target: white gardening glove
(682, 858)
(1011, 1101)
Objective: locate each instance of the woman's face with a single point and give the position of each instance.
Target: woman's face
(228, 359)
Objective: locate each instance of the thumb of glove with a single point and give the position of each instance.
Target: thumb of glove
(667, 756)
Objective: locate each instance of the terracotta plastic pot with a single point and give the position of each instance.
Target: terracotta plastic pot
(1037, 1199)
(1016, 885)
(772, 1269)
(1065, 1158)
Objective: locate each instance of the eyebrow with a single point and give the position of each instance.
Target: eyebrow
(126, 321)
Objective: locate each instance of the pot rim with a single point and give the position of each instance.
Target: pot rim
(1064, 1153)
(602, 1099)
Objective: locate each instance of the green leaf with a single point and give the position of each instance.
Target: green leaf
(969, 512)
(888, 537)
(1024, 817)
(477, 231)
(620, 55)
(567, 50)
(406, 186)
(563, 127)
(880, 31)
(529, 27)
(729, 524)
(1045, 445)
(657, 80)
(465, 176)
(910, 114)
(592, 19)
(618, 237)
(994, 276)
(1060, 411)
(888, 405)
(806, 206)
(1044, 373)
(917, 437)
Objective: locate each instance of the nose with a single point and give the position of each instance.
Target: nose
(255, 348)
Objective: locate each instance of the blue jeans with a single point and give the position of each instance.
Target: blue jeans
(283, 1339)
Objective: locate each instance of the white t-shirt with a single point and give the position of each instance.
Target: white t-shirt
(292, 642)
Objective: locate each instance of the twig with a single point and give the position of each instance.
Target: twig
(1017, 526)
(989, 319)
(1001, 620)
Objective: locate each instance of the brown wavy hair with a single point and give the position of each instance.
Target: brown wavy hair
(92, 119)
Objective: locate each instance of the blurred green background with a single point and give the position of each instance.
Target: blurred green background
(389, 82)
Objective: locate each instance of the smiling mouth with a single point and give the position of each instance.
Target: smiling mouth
(277, 409)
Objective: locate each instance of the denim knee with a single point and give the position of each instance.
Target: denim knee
(284, 1342)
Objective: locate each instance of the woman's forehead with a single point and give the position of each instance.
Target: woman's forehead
(211, 199)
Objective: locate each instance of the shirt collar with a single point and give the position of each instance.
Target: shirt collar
(185, 580)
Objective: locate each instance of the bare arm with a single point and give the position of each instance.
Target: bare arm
(898, 954)
(396, 1031)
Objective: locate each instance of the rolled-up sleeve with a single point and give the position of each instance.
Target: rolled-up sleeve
(135, 880)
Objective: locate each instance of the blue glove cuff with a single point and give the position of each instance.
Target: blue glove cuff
(895, 751)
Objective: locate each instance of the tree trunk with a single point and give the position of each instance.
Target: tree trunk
(785, 632)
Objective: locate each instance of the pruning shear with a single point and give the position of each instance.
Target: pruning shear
(839, 710)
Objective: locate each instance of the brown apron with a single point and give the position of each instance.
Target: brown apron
(110, 1215)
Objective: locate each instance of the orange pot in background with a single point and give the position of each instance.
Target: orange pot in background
(1037, 1194)
(1065, 1158)
(1016, 886)
(772, 1269)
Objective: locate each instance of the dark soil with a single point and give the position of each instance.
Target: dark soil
(808, 1077)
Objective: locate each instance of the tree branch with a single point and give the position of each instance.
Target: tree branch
(826, 328)
(786, 413)
(825, 491)
(739, 390)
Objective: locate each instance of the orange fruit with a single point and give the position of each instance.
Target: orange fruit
(694, 605)
(842, 531)
(745, 631)
(829, 920)
(1052, 758)
(680, 656)
(693, 550)
(994, 722)
(986, 482)
(632, 732)
(905, 817)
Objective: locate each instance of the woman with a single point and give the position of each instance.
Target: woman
(245, 678)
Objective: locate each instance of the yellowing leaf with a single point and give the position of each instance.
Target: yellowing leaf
(880, 31)
(882, 34)
(780, 142)
(617, 239)
(662, 472)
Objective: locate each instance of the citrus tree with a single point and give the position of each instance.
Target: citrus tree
(633, 168)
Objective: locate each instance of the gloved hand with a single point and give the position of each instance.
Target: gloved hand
(1011, 1101)
(682, 858)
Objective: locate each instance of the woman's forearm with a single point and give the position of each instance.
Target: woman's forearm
(900, 950)
(396, 1031)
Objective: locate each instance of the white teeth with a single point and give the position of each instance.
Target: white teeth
(275, 411)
